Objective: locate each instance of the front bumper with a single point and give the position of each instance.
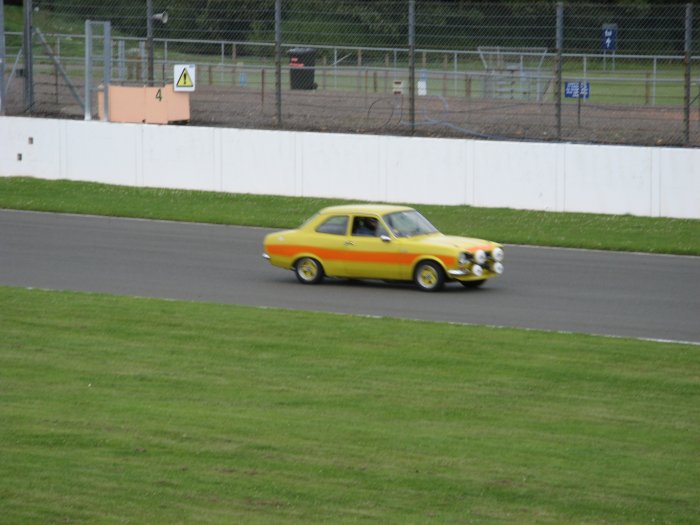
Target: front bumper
(490, 269)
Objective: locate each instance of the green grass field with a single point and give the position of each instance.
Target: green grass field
(576, 230)
(124, 410)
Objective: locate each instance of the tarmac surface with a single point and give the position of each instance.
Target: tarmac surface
(606, 293)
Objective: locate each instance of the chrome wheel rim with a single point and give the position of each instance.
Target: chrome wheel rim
(427, 277)
(307, 269)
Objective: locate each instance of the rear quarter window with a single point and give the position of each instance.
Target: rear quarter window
(336, 225)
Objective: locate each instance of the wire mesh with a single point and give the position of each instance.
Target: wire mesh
(481, 69)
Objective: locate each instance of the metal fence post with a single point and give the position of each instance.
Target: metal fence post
(121, 60)
(412, 64)
(2, 57)
(688, 50)
(28, 58)
(149, 39)
(143, 67)
(557, 81)
(88, 70)
(106, 68)
(278, 61)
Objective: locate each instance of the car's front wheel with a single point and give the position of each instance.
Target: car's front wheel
(308, 270)
(429, 276)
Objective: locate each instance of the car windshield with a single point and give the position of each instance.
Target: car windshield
(409, 223)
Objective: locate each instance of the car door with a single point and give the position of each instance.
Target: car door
(370, 251)
(328, 241)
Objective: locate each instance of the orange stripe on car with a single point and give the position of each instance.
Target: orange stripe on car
(351, 255)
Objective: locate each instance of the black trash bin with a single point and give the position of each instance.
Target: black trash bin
(301, 68)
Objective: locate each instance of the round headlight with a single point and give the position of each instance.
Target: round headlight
(462, 259)
(477, 270)
(479, 256)
(497, 254)
(497, 268)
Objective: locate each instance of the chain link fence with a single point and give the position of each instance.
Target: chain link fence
(588, 72)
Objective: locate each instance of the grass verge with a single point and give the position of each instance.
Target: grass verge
(118, 410)
(579, 230)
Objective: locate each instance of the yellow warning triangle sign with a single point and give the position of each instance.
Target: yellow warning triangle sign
(185, 81)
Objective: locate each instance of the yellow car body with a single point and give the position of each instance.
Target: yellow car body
(368, 241)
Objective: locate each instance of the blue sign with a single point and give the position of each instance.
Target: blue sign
(577, 89)
(609, 37)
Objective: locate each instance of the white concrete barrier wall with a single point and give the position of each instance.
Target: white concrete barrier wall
(539, 176)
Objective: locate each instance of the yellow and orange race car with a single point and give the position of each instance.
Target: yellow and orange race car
(393, 243)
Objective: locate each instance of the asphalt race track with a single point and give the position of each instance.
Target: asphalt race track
(622, 294)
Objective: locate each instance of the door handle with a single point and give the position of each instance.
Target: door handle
(348, 243)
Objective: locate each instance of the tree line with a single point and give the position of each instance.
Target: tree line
(644, 26)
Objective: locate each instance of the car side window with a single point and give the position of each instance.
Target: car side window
(367, 227)
(336, 225)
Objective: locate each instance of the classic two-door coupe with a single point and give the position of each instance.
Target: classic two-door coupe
(392, 243)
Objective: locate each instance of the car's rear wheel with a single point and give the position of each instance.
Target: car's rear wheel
(308, 270)
(429, 276)
(473, 284)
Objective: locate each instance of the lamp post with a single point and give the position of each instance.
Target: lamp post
(412, 64)
(149, 39)
(2, 58)
(28, 57)
(150, 17)
(278, 62)
(688, 79)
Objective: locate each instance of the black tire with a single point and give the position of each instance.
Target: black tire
(429, 276)
(473, 284)
(308, 271)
